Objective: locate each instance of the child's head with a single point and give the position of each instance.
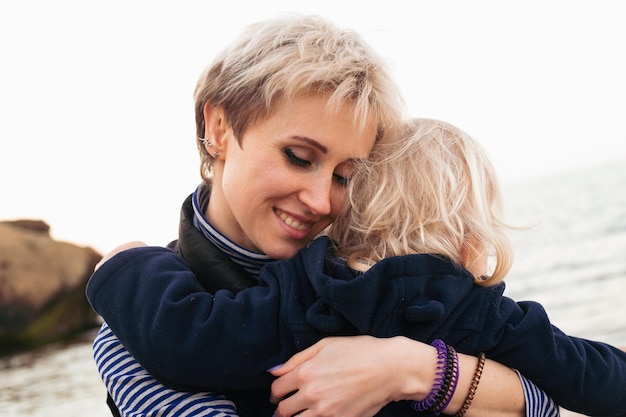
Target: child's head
(433, 191)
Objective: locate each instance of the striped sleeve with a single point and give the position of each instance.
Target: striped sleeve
(138, 394)
(538, 404)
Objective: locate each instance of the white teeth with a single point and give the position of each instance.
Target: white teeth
(292, 222)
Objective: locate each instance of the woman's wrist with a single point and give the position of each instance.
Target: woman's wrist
(444, 386)
(498, 393)
(415, 369)
(467, 364)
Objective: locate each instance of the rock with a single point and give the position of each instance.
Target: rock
(42, 286)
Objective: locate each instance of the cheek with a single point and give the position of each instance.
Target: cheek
(338, 201)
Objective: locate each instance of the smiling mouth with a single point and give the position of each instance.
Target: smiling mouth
(291, 222)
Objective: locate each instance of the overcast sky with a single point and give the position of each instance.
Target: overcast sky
(97, 128)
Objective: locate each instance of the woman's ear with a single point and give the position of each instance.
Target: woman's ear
(215, 129)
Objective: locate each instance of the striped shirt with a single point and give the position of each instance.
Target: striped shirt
(251, 262)
(138, 394)
(538, 404)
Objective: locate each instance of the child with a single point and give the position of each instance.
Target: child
(409, 257)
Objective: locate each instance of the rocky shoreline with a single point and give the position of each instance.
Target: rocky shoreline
(42, 287)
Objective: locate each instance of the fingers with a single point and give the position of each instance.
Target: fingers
(335, 377)
(283, 387)
(299, 358)
(288, 408)
(288, 381)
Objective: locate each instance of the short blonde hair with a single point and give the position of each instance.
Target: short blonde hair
(288, 56)
(425, 193)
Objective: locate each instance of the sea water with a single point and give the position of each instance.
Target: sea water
(573, 261)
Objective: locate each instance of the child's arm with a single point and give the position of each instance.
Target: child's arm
(585, 376)
(167, 313)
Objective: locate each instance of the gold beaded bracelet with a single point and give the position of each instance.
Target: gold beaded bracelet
(473, 386)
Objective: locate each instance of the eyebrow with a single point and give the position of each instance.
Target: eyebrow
(313, 143)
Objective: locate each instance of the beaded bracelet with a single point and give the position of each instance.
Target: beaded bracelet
(445, 381)
(473, 386)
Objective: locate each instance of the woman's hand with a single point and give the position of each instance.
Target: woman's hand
(357, 376)
(353, 376)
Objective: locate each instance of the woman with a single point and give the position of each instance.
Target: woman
(408, 258)
(281, 115)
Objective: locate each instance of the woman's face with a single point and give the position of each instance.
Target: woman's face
(286, 182)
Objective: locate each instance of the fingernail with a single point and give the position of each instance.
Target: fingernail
(273, 368)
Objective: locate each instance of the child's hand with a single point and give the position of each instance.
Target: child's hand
(118, 249)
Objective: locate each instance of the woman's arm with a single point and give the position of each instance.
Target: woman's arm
(357, 376)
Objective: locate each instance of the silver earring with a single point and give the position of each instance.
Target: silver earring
(216, 155)
(206, 142)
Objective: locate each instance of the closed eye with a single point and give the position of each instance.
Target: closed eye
(295, 160)
(303, 163)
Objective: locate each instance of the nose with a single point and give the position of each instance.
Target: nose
(316, 194)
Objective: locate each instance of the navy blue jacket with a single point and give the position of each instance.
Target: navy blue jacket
(230, 340)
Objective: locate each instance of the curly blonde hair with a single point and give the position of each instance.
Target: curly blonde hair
(434, 191)
(289, 56)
